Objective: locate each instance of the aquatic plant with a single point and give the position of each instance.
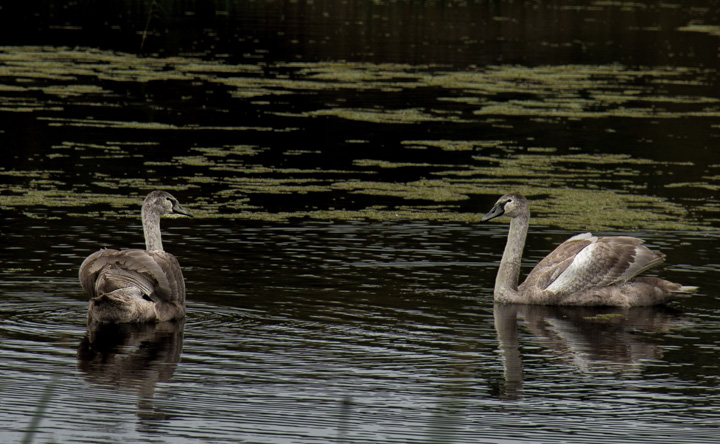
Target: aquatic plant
(154, 4)
(39, 412)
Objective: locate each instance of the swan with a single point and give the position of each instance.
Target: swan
(137, 285)
(583, 270)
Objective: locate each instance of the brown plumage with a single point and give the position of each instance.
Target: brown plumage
(137, 285)
(584, 270)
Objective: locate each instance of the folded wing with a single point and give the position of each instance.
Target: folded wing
(586, 261)
(156, 273)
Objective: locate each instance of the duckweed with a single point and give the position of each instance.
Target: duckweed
(568, 188)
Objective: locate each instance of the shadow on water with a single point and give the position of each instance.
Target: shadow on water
(132, 357)
(589, 339)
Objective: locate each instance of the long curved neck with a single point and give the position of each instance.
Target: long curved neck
(506, 283)
(151, 229)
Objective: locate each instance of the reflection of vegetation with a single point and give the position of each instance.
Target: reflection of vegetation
(607, 317)
(154, 4)
(39, 413)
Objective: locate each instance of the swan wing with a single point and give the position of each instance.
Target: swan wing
(555, 263)
(602, 262)
(91, 267)
(156, 273)
(173, 288)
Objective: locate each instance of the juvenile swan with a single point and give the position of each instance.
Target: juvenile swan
(137, 285)
(583, 270)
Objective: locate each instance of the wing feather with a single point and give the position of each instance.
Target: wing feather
(599, 262)
(555, 263)
(156, 273)
(91, 266)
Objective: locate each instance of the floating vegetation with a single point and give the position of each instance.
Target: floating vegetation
(387, 164)
(451, 145)
(606, 317)
(235, 150)
(92, 123)
(270, 143)
(705, 29)
(73, 90)
(572, 209)
(53, 198)
(435, 190)
(564, 91)
(573, 110)
(393, 116)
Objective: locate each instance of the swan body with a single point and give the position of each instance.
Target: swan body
(583, 270)
(137, 285)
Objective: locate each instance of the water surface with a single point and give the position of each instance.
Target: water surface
(337, 161)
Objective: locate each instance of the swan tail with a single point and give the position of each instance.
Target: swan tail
(685, 290)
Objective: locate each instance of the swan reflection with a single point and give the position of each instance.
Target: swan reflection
(133, 357)
(588, 338)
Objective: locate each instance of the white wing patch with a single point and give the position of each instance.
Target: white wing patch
(583, 236)
(575, 271)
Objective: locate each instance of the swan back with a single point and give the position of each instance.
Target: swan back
(156, 274)
(137, 285)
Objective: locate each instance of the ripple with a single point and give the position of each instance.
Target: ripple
(204, 316)
(28, 313)
(339, 286)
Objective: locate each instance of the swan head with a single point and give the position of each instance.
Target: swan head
(162, 203)
(511, 205)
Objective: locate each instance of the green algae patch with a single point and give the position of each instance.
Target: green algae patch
(388, 116)
(198, 161)
(327, 76)
(704, 29)
(563, 91)
(606, 210)
(431, 180)
(155, 126)
(576, 92)
(563, 190)
(229, 150)
(576, 210)
(92, 123)
(74, 90)
(387, 164)
(54, 198)
(519, 109)
(607, 317)
(436, 190)
(451, 145)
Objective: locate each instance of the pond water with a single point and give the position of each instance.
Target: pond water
(337, 158)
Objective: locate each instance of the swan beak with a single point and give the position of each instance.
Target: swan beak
(497, 211)
(180, 210)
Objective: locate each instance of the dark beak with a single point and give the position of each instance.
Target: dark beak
(497, 211)
(180, 210)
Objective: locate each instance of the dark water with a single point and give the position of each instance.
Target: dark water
(337, 157)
